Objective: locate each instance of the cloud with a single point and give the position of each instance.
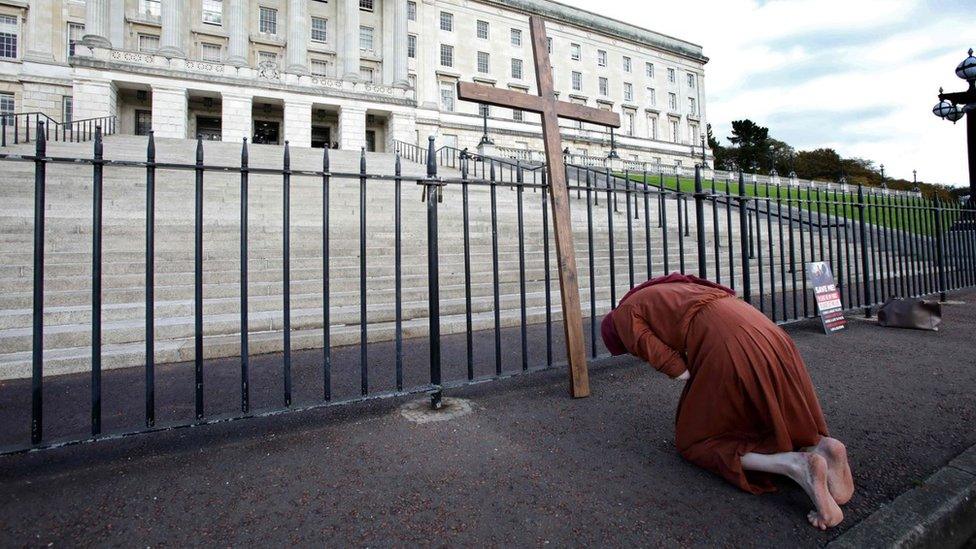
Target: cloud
(857, 75)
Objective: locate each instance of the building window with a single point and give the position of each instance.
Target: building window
(319, 68)
(692, 106)
(268, 57)
(366, 38)
(483, 65)
(627, 65)
(652, 126)
(211, 52)
(7, 105)
(694, 133)
(651, 96)
(628, 91)
(412, 81)
(691, 80)
(629, 123)
(483, 110)
(574, 52)
(447, 21)
(366, 74)
(649, 69)
(604, 86)
(149, 9)
(75, 32)
(672, 102)
(577, 81)
(483, 30)
(268, 21)
(366, 5)
(518, 115)
(148, 43)
(601, 58)
(67, 108)
(8, 36)
(447, 97)
(516, 37)
(213, 11)
(674, 131)
(671, 76)
(447, 55)
(517, 69)
(412, 11)
(412, 46)
(320, 30)
(549, 44)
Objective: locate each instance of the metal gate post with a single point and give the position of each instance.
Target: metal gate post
(432, 194)
(700, 222)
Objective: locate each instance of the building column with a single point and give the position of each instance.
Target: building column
(39, 32)
(428, 57)
(298, 122)
(97, 24)
(350, 39)
(171, 41)
(297, 50)
(169, 112)
(235, 116)
(401, 127)
(237, 23)
(93, 99)
(352, 128)
(398, 48)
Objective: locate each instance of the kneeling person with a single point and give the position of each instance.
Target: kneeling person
(748, 409)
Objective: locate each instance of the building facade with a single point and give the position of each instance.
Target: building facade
(346, 73)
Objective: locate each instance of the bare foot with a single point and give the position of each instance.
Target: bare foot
(839, 480)
(810, 472)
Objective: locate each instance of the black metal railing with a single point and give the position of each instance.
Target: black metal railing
(488, 270)
(18, 128)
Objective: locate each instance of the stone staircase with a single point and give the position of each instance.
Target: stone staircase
(68, 244)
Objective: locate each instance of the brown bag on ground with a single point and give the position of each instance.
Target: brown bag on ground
(919, 314)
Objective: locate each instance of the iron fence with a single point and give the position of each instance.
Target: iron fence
(755, 238)
(20, 126)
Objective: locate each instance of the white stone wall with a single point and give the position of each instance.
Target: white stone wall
(169, 112)
(45, 98)
(401, 127)
(352, 128)
(94, 98)
(236, 116)
(298, 123)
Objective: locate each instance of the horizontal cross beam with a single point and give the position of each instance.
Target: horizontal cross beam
(510, 99)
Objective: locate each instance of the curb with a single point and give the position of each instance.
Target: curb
(939, 513)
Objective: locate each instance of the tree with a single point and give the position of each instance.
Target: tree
(781, 157)
(752, 147)
(720, 153)
(821, 164)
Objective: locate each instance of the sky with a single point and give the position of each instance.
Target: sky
(859, 76)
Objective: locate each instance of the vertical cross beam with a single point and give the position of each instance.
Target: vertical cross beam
(562, 222)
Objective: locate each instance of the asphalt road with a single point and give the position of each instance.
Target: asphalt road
(528, 466)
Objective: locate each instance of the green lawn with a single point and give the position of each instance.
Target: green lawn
(887, 211)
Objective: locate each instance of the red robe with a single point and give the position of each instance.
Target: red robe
(748, 391)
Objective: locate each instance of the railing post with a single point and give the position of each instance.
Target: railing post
(198, 282)
(150, 281)
(96, 338)
(432, 192)
(744, 240)
(865, 261)
(940, 249)
(700, 222)
(286, 270)
(245, 336)
(3, 124)
(37, 350)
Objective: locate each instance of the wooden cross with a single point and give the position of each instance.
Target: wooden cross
(551, 110)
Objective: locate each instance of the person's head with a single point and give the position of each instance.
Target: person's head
(610, 337)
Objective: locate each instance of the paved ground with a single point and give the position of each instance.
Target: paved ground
(528, 466)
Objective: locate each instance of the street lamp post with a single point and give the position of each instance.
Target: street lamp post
(613, 146)
(485, 140)
(953, 106)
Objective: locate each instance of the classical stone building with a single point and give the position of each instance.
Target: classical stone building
(347, 73)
